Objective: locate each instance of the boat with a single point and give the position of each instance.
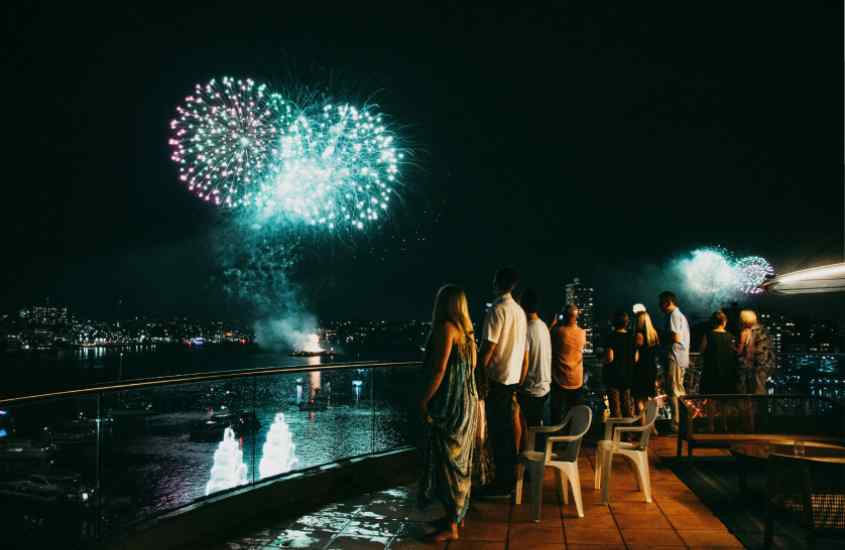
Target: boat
(321, 353)
(80, 431)
(212, 428)
(25, 456)
(48, 488)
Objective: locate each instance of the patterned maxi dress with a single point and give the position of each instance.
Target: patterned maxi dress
(757, 362)
(448, 460)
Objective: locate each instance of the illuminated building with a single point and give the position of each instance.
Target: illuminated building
(823, 337)
(45, 315)
(583, 297)
(783, 331)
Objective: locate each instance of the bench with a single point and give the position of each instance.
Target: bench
(719, 421)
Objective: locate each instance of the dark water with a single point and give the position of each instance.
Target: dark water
(162, 466)
(40, 372)
(152, 450)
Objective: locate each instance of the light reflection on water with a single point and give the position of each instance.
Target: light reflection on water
(162, 468)
(228, 469)
(278, 455)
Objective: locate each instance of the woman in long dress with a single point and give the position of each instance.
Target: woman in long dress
(718, 355)
(449, 406)
(646, 341)
(756, 354)
(719, 369)
(618, 371)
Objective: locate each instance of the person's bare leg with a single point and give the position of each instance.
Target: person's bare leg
(518, 422)
(446, 534)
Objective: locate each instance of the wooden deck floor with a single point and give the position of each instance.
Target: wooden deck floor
(388, 519)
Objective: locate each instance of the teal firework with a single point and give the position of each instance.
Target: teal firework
(329, 166)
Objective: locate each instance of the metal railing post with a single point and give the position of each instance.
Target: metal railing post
(98, 487)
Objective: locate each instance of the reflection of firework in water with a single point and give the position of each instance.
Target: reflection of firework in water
(751, 272)
(278, 454)
(228, 469)
(223, 139)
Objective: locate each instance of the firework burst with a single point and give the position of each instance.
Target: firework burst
(714, 273)
(751, 272)
(224, 137)
(336, 169)
(708, 271)
(328, 166)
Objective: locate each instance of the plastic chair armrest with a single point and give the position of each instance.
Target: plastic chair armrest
(546, 429)
(557, 439)
(531, 437)
(611, 423)
(632, 429)
(617, 433)
(623, 419)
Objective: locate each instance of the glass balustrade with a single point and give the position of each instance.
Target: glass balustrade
(75, 468)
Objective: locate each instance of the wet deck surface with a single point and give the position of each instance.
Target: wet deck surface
(388, 519)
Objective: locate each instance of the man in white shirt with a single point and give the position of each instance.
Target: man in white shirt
(677, 342)
(503, 339)
(538, 372)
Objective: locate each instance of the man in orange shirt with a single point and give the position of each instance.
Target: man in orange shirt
(568, 341)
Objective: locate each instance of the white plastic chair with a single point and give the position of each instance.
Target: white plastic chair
(636, 452)
(564, 459)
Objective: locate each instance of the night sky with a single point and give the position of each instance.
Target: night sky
(566, 143)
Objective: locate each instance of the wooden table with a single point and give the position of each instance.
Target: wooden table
(750, 456)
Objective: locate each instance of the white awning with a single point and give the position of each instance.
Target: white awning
(816, 280)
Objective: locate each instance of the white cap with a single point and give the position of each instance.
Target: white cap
(638, 308)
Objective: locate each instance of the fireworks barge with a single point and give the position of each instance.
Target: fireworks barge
(321, 353)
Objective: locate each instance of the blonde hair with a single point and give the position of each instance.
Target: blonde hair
(747, 317)
(450, 305)
(645, 326)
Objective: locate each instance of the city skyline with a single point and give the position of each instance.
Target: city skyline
(53, 325)
(599, 309)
